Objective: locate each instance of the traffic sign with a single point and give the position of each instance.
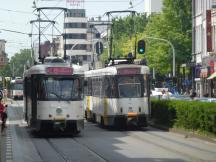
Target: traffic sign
(99, 48)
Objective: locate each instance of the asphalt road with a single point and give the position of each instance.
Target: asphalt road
(21, 144)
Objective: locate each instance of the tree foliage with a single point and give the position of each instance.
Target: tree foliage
(123, 38)
(17, 62)
(173, 24)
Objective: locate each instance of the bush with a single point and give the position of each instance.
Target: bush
(195, 115)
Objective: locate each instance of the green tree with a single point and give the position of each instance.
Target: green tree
(173, 24)
(16, 65)
(123, 40)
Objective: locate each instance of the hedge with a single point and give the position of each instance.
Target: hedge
(195, 115)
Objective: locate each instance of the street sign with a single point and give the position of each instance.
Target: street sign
(99, 48)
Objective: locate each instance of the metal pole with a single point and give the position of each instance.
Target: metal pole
(39, 39)
(64, 37)
(173, 50)
(13, 70)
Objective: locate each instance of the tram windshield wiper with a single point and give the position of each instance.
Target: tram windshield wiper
(59, 97)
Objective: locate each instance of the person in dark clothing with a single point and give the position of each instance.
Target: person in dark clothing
(3, 115)
(193, 95)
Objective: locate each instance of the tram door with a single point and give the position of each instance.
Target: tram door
(34, 99)
(27, 94)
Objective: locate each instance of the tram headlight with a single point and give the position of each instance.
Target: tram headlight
(139, 109)
(58, 111)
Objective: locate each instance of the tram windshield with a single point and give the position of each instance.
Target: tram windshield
(51, 88)
(130, 86)
(18, 86)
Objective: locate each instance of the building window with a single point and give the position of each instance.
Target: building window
(75, 25)
(76, 36)
(75, 13)
(198, 39)
(89, 48)
(198, 7)
(76, 47)
(213, 38)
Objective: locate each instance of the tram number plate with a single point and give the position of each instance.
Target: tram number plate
(59, 118)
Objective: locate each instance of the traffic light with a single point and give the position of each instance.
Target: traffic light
(141, 46)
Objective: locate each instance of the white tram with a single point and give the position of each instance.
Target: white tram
(53, 97)
(118, 95)
(16, 88)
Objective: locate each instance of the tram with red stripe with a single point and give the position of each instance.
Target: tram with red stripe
(53, 97)
(118, 95)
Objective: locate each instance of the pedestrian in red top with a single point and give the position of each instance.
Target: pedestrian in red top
(3, 115)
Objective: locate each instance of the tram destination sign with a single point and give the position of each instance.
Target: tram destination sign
(59, 70)
(128, 71)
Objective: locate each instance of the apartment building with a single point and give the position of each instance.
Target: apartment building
(152, 6)
(204, 46)
(76, 44)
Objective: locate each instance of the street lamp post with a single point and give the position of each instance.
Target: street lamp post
(173, 50)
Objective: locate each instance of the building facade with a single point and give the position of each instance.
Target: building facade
(152, 6)
(76, 44)
(204, 46)
(3, 55)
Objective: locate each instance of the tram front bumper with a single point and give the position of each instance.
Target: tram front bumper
(63, 125)
(133, 119)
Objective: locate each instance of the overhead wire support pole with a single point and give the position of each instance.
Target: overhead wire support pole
(39, 21)
(40, 10)
(173, 51)
(110, 36)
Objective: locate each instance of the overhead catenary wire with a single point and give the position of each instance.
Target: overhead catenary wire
(29, 34)
(98, 1)
(17, 11)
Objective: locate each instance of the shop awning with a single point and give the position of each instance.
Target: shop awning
(212, 76)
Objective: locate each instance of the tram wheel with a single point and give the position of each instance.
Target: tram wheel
(102, 122)
(94, 118)
(120, 124)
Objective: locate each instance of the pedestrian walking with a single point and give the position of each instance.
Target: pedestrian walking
(3, 115)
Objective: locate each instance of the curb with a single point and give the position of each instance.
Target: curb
(187, 134)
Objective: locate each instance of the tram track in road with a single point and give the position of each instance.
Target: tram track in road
(59, 147)
(59, 152)
(166, 147)
(87, 148)
(61, 156)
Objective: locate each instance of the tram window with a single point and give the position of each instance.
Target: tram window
(146, 85)
(75, 88)
(130, 86)
(97, 86)
(109, 87)
(58, 88)
(89, 85)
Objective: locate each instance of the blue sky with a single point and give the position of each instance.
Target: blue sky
(16, 15)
